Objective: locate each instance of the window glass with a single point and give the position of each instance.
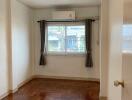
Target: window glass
(56, 38)
(75, 39)
(127, 37)
(66, 38)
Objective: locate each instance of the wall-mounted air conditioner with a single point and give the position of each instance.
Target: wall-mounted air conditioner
(63, 15)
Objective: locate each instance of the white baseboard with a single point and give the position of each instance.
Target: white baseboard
(103, 98)
(4, 95)
(16, 89)
(24, 82)
(8, 92)
(67, 78)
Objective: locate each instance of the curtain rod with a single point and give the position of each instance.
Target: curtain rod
(76, 20)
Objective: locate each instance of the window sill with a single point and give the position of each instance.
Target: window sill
(127, 52)
(62, 54)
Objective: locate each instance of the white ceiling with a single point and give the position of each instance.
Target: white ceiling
(59, 3)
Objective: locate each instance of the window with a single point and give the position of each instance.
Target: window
(66, 38)
(127, 37)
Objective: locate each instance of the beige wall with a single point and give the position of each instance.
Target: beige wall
(15, 45)
(67, 66)
(4, 32)
(21, 17)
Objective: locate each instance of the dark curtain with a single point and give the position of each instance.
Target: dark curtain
(88, 39)
(43, 51)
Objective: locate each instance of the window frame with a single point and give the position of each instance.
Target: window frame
(65, 49)
(126, 50)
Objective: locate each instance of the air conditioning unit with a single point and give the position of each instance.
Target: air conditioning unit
(63, 15)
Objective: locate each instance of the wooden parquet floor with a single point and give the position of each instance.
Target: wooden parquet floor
(55, 89)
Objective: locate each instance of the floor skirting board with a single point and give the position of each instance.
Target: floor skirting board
(67, 78)
(103, 98)
(4, 95)
(9, 92)
(16, 89)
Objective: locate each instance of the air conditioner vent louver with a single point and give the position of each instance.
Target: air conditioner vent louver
(63, 15)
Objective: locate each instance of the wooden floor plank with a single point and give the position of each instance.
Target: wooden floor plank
(55, 89)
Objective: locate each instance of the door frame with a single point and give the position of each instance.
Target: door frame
(111, 53)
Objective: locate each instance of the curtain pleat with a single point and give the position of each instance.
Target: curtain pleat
(88, 39)
(43, 51)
